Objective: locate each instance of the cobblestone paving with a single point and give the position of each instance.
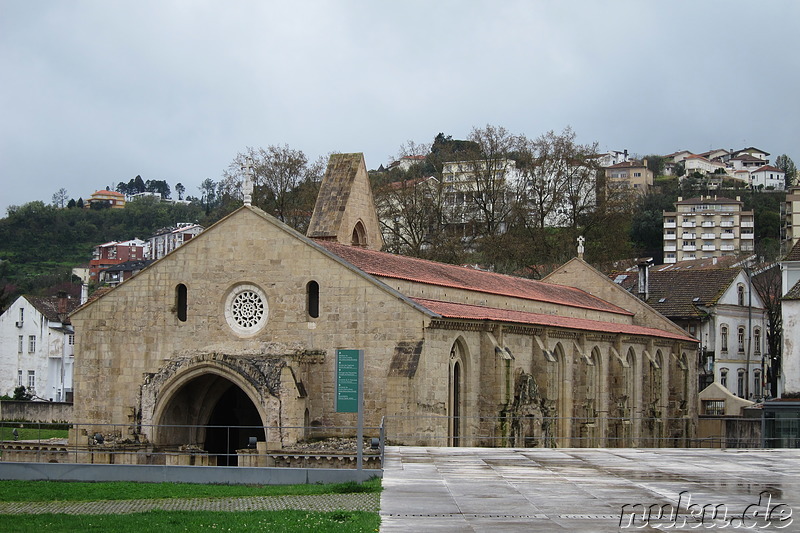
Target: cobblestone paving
(312, 502)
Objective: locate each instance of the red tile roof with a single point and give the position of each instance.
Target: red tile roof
(387, 265)
(477, 312)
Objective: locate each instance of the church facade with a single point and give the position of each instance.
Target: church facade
(240, 327)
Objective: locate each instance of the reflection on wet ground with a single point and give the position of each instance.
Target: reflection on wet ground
(483, 489)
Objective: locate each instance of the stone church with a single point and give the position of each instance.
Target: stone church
(240, 327)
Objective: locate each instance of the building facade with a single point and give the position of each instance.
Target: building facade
(37, 347)
(708, 226)
(632, 175)
(113, 253)
(241, 327)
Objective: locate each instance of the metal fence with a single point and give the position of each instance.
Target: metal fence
(190, 445)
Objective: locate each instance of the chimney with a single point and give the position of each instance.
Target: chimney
(644, 278)
(62, 305)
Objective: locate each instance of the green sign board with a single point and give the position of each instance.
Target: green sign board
(347, 374)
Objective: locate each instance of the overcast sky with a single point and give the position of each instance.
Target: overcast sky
(95, 92)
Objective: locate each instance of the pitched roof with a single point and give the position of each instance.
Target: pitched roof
(386, 265)
(793, 293)
(794, 253)
(628, 164)
(48, 307)
(477, 312)
(767, 168)
(681, 293)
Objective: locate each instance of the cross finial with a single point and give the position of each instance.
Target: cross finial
(247, 186)
(581, 240)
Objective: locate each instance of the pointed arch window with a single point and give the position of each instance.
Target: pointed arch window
(359, 237)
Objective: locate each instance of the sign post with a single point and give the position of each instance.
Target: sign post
(350, 392)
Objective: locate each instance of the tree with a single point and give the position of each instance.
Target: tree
(71, 204)
(656, 164)
(280, 175)
(180, 189)
(208, 194)
(60, 198)
(786, 165)
(158, 186)
(767, 283)
(79, 203)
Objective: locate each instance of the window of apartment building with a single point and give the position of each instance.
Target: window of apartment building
(757, 340)
(723, 335)
(19, 378)
(740, 384)
(31, 343)
(637, 174)
(723, 377)
(20, 343)
(757, 383)
(31, 379)
(740, 338)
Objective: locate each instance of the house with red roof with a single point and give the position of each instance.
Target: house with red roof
(112, 199)
(239, 333)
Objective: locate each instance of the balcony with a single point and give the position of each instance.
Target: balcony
(709, 248)
(727, 236)
(727, 248)
(689, 248)
(668, 260)
(747, 223)
(708, 236)
(669, 237)
(747, 236)
(747, 247)
(726, 223)
(670, 248)
(688, 224)
(670, 224)
(689, 236)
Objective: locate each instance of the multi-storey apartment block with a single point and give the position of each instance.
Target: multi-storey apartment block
(113, 253)
(708, 226)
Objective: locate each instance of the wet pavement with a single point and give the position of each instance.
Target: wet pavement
(597, 490)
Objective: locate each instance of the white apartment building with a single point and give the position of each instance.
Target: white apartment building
(168, 239)
(708, 226)
(37, 347)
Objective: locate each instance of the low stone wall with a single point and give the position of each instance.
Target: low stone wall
(45, 412)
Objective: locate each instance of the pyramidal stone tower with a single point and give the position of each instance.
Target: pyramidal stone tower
(345, 209)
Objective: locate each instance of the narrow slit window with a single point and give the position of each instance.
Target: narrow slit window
(312, 299)
(181, 301)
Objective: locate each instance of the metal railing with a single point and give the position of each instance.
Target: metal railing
(209, 445)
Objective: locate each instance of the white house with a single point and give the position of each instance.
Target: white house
(36, 347)
(168, 239)
(718, 308)
(767, 177)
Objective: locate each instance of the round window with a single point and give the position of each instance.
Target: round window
(246, 309)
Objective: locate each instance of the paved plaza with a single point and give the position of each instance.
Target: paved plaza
(504, 489)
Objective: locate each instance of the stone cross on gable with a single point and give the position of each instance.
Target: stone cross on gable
(581, 241)
(247, 186)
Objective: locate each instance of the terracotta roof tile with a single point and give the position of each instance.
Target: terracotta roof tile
(794, 253)
(477, 312)
(48, 306)
(388, 265)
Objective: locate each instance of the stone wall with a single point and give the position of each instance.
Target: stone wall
(45, 412)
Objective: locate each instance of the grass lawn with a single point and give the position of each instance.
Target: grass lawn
(172, 521)
(45, 491)
(31, 432)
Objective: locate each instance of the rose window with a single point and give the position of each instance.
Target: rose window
(246, 309)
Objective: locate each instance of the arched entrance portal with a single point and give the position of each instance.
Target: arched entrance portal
(213, 413)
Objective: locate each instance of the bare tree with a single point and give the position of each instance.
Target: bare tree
(60, 198)
(279, 173)
(768, 285)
